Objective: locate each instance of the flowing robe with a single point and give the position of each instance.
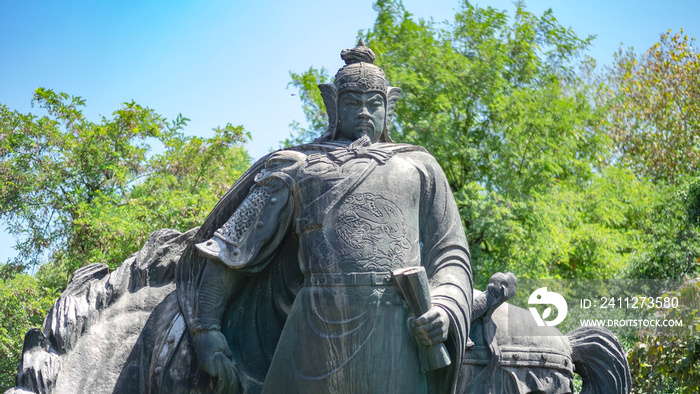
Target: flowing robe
(299, 275)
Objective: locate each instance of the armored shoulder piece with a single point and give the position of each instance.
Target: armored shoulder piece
(259, 224)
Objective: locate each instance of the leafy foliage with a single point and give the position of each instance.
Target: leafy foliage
(185, 183)
(673, 236)
(314, 109)
(178, 196)
(692, 201)
(653, 102)
(495, 102)
(653, 119)
(671, 363)
(568, 231)
(77, 192)
(23, 305)
(52, 165)
(666, 363)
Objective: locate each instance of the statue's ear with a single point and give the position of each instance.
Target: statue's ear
(329, 94)
(392, 95)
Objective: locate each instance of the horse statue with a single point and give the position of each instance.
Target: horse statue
(508, 357)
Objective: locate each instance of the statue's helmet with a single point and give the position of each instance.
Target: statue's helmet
(359, 74)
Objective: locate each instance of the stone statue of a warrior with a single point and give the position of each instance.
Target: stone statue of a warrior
(339, 266)
(289, 287)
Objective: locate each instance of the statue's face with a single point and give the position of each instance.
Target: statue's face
(359, 114)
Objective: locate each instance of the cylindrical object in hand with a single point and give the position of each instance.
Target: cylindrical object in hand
(413, 284)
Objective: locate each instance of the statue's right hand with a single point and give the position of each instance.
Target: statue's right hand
(214, 358)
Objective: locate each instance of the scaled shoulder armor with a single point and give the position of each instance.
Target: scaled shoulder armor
(262, 218)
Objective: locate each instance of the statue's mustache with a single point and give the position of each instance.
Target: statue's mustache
(364, 123)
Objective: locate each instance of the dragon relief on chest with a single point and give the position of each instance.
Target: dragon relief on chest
(369, 232)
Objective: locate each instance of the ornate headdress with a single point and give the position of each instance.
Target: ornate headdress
(358, 75)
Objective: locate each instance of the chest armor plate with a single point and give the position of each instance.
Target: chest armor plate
(358, 216)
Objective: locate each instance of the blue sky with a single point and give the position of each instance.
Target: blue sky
(229, 61)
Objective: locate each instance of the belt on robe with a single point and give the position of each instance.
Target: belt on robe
(350, 279)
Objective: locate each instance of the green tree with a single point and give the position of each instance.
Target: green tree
(673, 241)
(182, 186)
(587, 231)
(53, 164)
(653, 118)
(66, 182)
(653, 107)
(23, 305)
(314, 109)
(495, 99)
(670, 363)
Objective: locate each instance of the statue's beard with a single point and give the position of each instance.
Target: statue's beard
(367, 127)
(361, 127)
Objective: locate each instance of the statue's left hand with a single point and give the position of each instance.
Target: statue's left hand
(215, 358)
(431, 327)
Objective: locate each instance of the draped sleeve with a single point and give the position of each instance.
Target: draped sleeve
(445, 255)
